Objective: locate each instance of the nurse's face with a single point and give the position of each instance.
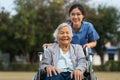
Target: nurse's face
(76, 16)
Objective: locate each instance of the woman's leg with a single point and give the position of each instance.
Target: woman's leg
(61, 76)
(55, 77)
(67, 76)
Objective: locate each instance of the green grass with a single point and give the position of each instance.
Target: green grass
(16, 75)
(108, 75)
(29, 75)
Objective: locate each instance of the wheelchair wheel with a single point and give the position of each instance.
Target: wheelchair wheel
(35, 77)
(96, 78)
(40, 75)
(92, 75)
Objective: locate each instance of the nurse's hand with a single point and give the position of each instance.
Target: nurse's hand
(87, 46)
(90, 45)
(47, 45)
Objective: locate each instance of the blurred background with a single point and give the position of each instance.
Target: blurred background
(25, 25)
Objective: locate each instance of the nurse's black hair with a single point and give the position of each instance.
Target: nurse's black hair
(79, 6)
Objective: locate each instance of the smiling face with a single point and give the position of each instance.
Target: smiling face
(64, 36)
(76, 17)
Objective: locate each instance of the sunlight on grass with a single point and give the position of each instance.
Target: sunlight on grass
(29, 75)
(16, 75)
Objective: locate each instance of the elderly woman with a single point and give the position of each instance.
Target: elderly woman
(64, 61)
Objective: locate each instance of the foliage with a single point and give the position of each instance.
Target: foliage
(106, 22)
(32, 26)
(20, 67)
(35, 21)
(5, 32)
(112, 66)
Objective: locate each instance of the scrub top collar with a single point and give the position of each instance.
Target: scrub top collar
(81, 28)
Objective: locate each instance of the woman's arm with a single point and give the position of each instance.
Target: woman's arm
(90, 44)
(81, 59)
(47, 63)
(81, 63)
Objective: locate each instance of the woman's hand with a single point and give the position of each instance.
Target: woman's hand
(78, 75)
(52, 69)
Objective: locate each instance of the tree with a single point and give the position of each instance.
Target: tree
(34, 24)
(5, 35)
(107, 24)
(106, 21)
(35, 21)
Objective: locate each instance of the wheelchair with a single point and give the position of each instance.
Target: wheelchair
(89, 73)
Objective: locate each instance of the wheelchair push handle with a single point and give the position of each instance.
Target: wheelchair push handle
(40, 53)
(86, 51)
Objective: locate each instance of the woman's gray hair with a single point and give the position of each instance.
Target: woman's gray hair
(55, 34)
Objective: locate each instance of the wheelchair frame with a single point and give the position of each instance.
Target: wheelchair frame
(89, 74)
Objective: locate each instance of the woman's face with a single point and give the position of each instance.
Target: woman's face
(64, 36)
(76, 16)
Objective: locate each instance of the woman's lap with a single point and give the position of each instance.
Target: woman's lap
(61, 76)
